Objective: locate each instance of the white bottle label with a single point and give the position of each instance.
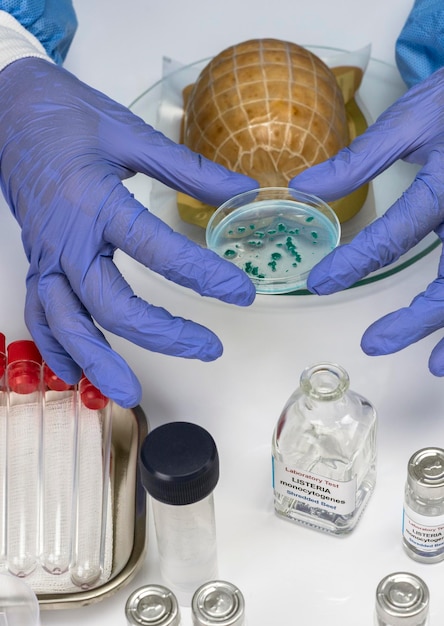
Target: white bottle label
(423, 532)
(313, 490)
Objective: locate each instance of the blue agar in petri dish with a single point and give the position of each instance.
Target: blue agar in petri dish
(276, 242)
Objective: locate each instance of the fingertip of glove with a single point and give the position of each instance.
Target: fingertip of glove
(369, 346)
(369, 349)
(128, 400)
(64, 368)
(242, 291)
(436, 366)
(118, 383)
(247, 297)
(313, 288)
(318, 287)
(127, 396)
(212, 350)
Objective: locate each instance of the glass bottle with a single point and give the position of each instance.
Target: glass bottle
(401, 599)
(324, 452)
(423, 515)
(180, 469)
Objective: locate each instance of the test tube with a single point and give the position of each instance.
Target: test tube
(3, 403)
(92, 485)
(23, 456)
(58, 471)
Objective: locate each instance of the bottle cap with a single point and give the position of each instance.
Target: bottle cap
(91, 397)
(402, 599)
(24, 366)
(52, 381)
(23, 350)
(218, 602)
(152, 605)
(179, 463)
(425, 473)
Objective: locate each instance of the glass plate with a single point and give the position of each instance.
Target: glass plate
(161, 106)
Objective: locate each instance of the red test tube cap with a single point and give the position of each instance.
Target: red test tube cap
(92, 397)
(53, 382)
(2, 354)
(23, 350)
(24, 361)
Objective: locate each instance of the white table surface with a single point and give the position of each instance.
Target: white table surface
(289, 575)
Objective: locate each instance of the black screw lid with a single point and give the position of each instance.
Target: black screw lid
(179, 463)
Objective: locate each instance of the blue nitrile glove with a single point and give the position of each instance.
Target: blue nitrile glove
(411, 129)
(64, 149)
(420, 45)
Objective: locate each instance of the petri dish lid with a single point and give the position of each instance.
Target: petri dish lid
(218, 602)
(152, 605)
(402, 599)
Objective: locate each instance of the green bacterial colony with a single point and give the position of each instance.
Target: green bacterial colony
(289, 246)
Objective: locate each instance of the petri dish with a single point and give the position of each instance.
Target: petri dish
(275, 234)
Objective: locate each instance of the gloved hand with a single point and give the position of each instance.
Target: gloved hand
(64, 149)
(411, 129)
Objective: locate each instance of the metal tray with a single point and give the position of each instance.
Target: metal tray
(130, 427)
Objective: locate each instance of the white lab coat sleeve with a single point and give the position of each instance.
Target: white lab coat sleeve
(16, 42)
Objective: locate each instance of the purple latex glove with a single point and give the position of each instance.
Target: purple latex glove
(412, 129)
(64, 150)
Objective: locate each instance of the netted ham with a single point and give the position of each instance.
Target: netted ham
(266, 108)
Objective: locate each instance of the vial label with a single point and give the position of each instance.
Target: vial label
(317, 491)
(423, 532)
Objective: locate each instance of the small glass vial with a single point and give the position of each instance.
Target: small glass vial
(324, 452)
(152, 605)
(402, 599)
(218, 602)
(423, 518)
(180, 469)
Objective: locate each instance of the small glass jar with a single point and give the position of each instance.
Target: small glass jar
(423, 515)
(180, 469)
(324, 452)
(218, 602)
(402, 599)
